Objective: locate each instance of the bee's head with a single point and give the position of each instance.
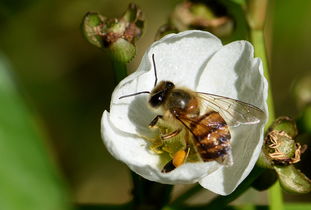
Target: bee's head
(159, 93)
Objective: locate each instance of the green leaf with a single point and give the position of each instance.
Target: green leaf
(28, 178)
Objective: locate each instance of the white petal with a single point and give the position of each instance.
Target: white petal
(198, 61)
(179, 58)
(233, 72)
(133, 151)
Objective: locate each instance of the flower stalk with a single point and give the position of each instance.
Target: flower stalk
(149, 195)
(256, 23)
(257, 38)
(282, 152)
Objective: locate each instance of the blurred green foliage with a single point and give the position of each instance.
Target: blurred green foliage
(68, 83)
(28, 179)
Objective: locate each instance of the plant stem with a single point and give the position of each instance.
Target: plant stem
(149, 195)
(120, 70)
(186, 195)
(275, 197)
(257, 38)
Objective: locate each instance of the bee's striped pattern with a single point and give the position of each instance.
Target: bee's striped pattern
(211, 136)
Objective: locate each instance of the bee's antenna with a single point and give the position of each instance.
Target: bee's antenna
(155, 82)
(155, 71)
(134, 94)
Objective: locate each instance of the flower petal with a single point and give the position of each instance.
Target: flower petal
(133, 151)
(198, 61)
(179, 58)
(233, 72)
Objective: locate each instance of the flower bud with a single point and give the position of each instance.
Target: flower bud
(256, 13)
(117, 34)
(91, 26)
(285, 124)
(208, 16)
(281, 151)
(280, 148)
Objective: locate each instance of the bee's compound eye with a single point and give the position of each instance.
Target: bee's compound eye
(169, 85)
(156, 100)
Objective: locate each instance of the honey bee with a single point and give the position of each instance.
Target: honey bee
(194, 126)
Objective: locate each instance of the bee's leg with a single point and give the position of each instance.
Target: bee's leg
(170, 135)
(154, 121)
(168, 167)
(179, 158)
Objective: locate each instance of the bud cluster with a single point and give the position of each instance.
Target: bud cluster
(281, 152)
(117, 34)
(208, 16)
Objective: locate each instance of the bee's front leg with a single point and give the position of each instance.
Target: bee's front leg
(155, 121)
(170, 135)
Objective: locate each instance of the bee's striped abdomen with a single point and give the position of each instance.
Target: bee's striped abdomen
(212, 136)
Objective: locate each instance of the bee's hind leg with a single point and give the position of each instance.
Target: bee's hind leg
(179, 158)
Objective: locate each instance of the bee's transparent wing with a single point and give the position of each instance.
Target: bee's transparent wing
(234, 112)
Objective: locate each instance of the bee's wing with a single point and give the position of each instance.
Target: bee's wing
(234, 112)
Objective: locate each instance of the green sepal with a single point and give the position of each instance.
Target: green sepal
(285, 124)
(91, 28)
(293, 180)
(117, 34)
(202, 11)
(122, 51)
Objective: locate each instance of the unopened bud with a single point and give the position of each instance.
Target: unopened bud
(280, 148)
(117, 34)
(199, 15)
(281, 151)
(256, 13)
(286, 124)
(91, 28)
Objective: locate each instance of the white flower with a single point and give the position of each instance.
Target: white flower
(196, 60)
